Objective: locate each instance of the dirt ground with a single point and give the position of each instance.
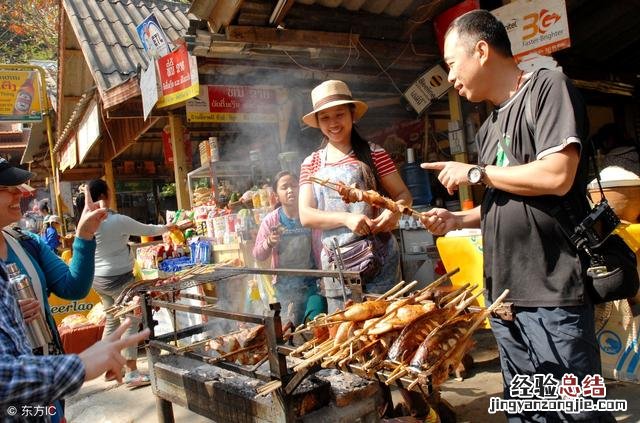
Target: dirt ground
(102, 402)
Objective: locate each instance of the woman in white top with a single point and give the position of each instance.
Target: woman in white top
(114, 268)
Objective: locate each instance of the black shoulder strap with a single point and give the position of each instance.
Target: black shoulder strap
(528, 116)
(29, 244)
(507, 151)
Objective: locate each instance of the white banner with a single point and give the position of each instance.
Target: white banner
(88, 130)
(535, 26)
(149, 88)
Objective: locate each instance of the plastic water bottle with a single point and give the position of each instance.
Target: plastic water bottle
(38, 332)
(417, 180)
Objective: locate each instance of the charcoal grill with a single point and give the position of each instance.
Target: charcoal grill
(225, 391)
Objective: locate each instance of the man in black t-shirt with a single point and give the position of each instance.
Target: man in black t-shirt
(529, 161)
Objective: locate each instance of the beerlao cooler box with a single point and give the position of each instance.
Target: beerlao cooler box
(62, 308)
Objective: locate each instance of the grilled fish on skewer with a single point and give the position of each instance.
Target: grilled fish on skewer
(412, 336)
(441, 341)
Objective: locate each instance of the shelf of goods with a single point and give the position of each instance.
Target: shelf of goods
(236, 173)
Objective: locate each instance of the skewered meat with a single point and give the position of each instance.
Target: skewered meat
(253, 336)
(360, 311)
(345, 330)
(403, 316)
(408, 313)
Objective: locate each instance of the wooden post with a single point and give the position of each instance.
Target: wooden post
(179, 164)
(108, 178)
(455, 110)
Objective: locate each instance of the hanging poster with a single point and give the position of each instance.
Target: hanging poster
(167, 150)
(154, 40)
(20, 96)
(233, 103)
(429, 87)
(149, 89)
(178, 74)
(535, 26)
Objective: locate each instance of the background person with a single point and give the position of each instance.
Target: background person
(114, 270)
(283, 238)
(49, 233)
(346, 157)
(525, 249)
(43, 209)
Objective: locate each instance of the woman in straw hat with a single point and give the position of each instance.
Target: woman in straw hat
(346, 157)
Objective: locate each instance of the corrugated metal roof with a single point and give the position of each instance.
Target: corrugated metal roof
(106, 32)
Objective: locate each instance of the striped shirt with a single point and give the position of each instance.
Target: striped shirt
(381, 160)
(28, 381)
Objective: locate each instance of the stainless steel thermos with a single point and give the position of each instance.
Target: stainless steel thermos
(38, 331)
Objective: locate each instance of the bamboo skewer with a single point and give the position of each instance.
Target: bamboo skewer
(390, 292)
(302, 348)
(267, 388)
(344, 361)
(326, 345)
(403, 290)
(190, 347)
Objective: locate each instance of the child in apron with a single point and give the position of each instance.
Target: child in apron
(282, 236)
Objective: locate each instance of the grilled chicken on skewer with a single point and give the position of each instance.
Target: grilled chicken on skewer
(351, 194)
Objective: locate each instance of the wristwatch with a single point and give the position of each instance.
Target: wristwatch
(476, 175)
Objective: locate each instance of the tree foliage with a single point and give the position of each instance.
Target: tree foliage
(28, 30)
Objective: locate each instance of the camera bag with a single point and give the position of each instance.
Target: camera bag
(619, 277)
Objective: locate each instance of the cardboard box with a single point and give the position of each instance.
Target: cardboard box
(617, 336)
(617, 329)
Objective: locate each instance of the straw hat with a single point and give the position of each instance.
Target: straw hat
(329, 94)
